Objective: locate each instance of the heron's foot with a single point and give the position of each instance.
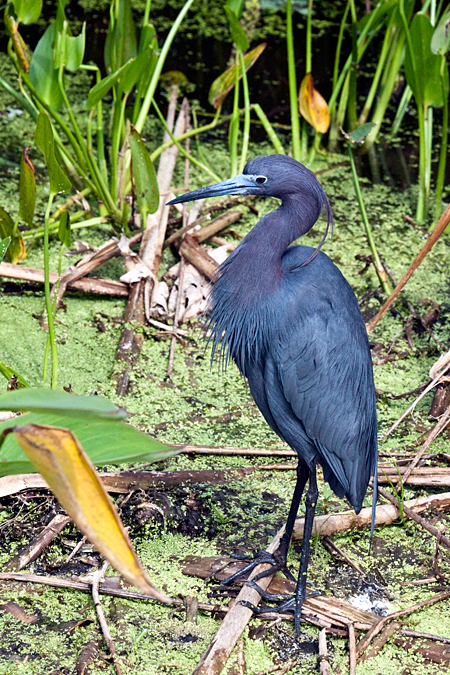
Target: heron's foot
(285, 603)
(276, 561)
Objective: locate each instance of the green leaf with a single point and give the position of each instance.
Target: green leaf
(50, 400)
(440, 42)
(236, 6)
(99, 90)
(139, 66)
(360, 134)
(16, 249)
(121, 43)
(225, 82)
(43, 75)
(27, 11)
(239, 37)
(64, 229)
(4, 243)
(422, 67)
(27, 189)
(8, 372)
(144, 176)
(72, 50)
(105, 442)
(45, 142)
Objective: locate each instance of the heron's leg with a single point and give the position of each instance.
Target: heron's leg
(277, 560)
(280, 555)
(311, 501)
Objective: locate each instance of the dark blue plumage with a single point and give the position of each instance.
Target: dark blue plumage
(292, 323)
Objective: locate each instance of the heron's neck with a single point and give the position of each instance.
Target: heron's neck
(255, 267)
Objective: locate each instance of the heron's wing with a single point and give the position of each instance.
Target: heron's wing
(322, 369)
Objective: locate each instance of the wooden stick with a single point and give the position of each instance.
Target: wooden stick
(381, 640)
(197, 256)
(101, 617)
(384, 515)
(323, 653)
(214, 659)
(352, 648)
(378, 627)
(87, 285)
(444, 220)
(34, 549)
(434, 434)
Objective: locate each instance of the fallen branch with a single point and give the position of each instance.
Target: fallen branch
(323, 653)
(385, 514)
(34, 549)
(197, 256)
(101, 616)
(444, 220)
(86, 285)
(215, 657)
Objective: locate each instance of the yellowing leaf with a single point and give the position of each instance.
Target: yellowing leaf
(313, 106)
(225, 82)
(71, 476)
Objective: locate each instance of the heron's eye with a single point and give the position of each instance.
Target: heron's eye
(260, 180)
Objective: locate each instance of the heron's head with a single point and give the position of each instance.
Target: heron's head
(269, 176)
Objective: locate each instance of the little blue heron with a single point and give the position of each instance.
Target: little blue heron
(292, 324)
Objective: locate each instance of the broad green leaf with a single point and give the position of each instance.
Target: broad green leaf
(16, 249)
(105, 441)
(49, 400)
(239, 37)
(4, 243)
(313, 106)
(43, 75)
(61, 460)
(8, 372)
(64, 229)
(121, 43)
(99, 90)
(440, 42)
(422, 67)
(144, 176)
(360, 134)
(69, 50)
(45, 142)
(27, 11)
(27, 189)
(225, 82)
(236, 6)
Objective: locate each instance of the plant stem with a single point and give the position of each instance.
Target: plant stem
(444, 145)
(246, 131)
(159, 66)
(48, 304)
(293, 92)
(376, 258)
(181, 149)
(40, 232)
(309, 38)
(270, 131)
(192, 132)
(233, 130)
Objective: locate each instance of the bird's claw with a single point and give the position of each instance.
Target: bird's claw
(259, 558)
(286, 603)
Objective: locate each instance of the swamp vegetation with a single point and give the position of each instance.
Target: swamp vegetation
(402, 178)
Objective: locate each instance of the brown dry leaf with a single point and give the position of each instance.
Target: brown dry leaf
(71, 476)
(313, 106)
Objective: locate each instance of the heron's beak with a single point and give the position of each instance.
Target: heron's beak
(239, 185)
